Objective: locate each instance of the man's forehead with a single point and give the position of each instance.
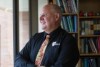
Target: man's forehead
(43, 14)
(45, 11)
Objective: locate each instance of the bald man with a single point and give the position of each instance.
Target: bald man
(61, 49)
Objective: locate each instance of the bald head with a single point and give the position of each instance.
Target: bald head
(54, 8)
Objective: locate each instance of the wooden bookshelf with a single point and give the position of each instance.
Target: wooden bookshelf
(90, 55)
(69, 14)
(91, 15)
(83, 36)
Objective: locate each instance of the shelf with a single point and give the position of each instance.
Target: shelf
(89, 35)
(90, 55)
(90, 17)
(69, 14)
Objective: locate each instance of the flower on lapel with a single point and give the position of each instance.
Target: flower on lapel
(55, 43)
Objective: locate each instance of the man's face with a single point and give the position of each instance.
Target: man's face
(47, 19)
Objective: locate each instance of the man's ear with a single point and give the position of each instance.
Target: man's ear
(57, 16)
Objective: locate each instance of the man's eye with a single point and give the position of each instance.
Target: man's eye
(44, 14)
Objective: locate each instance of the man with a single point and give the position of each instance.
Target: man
(61, 49)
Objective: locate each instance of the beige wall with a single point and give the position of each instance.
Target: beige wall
(23, 28)
(41, 3)
(6, 36)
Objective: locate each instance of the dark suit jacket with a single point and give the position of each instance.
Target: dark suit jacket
(62, 50)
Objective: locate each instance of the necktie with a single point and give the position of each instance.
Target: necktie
(42, 51)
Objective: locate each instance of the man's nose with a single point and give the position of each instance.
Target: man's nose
(41, 18)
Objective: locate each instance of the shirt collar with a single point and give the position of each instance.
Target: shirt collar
(53, 33)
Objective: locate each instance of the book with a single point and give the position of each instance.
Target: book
(59, 3)
(92, 62)
(98, 44)
(92, 45)
(65, 24)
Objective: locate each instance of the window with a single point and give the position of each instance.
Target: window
(7, 30)
(6, 33)
(23, 22)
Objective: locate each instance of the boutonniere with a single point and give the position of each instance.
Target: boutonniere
(55, 43)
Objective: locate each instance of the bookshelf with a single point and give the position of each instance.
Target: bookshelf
(89, 33)
(84, 22)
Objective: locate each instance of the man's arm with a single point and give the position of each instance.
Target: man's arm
(23, 58)
(69, 54)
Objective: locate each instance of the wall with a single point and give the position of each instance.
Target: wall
(41, 3)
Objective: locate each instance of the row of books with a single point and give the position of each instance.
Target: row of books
(90, 45)
(67, 6)
(89, 27)
(90, 62)
(69, 23)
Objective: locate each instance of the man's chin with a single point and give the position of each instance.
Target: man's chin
(43, 28)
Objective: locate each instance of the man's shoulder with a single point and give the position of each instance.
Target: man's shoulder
(66, 34)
